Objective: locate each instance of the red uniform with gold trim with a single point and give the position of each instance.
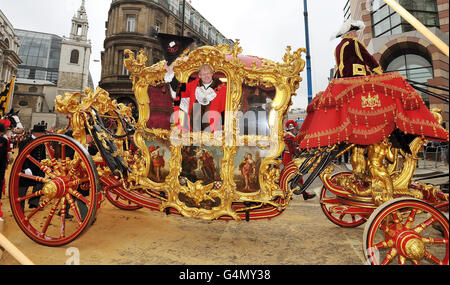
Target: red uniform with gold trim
(353, 59)
(291, 146)
(215, 107)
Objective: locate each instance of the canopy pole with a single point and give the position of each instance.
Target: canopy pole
(14, 251)
(419, 26)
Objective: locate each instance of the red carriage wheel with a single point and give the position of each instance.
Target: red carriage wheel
(406, 231)
(121, 202)
(64, 187)
(329, 202)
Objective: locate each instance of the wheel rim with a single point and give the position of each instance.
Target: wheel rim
(329, 200)
(69, 188)
(401, 232)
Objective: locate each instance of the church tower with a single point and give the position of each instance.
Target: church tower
(75, 55)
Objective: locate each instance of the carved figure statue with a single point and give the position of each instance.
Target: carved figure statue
(382, 186)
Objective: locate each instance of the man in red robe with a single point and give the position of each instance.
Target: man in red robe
(199, 103)
(352, 57)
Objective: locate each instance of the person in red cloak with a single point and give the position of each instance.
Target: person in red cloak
(199, 103)
(352, 57)
(292, 149)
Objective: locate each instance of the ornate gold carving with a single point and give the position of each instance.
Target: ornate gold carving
(200, 193)
(415, 249)
(370, 101)
(386, 172)
(437, 113)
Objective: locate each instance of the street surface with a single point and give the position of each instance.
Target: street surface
(302, 235)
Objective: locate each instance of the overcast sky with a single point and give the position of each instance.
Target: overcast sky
(264, 28)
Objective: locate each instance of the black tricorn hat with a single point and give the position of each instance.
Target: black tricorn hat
(173, 45)
(39, 128)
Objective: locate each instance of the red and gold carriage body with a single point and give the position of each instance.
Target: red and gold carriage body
(231, 174)
(234, 173)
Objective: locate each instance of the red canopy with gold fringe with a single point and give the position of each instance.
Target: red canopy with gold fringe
(365, 110)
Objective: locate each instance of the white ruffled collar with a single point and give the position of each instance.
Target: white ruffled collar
(204, 94)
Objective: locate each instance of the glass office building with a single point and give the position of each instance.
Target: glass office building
(40, 53)
(387, 22)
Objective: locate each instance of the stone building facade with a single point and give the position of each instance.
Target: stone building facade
(399, 47)
(9, 48)
(75, 55)
(133, 25)
(51, 65)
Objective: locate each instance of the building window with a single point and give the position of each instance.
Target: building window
(386, 21)
(158, 25)
(187, 14)
(173, 6)
(196, 20)
(74, 56)
(414, 67)
(32, 74)
(131, 23)
(122, 57)
(23, 103)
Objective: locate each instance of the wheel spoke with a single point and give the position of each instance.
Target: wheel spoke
(74, 209)
(397, 218)
(401, 260)
(78, 181)
(44, 168)
(411, 218)
(75, 164)
(432, 258)
(29, 196)
(431, 241)
(384, 244)
(51, 153)
(54, 162)
(37, 209)
(63, 218)
(423, 226)
(78, 195)
(35, 178)
(389, 256)
(50, 217)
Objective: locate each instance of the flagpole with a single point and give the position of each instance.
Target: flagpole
(308, 54)
(182, 21)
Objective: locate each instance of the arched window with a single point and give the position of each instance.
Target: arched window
(74, 56)
(414, 67)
